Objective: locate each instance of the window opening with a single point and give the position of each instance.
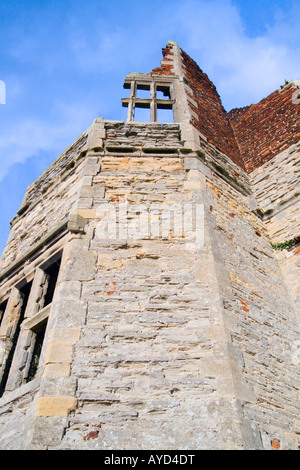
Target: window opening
(165, 115)
(148, 94)
(163, 92)
(123, 114)
(24, 293)
(142, 114)
(127, 87)
(143, 91)
(52, 275)
(39, 334)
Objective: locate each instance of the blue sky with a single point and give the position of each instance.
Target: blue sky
(63, 64)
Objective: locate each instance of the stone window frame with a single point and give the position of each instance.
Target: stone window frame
(3, 306)
(35, 318)
(153, 84)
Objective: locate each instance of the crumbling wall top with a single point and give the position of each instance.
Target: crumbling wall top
(249, 136)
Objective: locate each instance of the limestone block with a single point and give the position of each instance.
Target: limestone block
(80, 266)
(76, 223)
(92, 191)
(84, 203)
(64, 386)
(91, 166)
(86, 180)
(58, 352)
(55, 406)
(71, 314)
(96, 134)
(87, 213)
(107, 262)
(192, 185)
(193, 163)
(68, 290)
(47, 431)
(56, 370)
(64, 335)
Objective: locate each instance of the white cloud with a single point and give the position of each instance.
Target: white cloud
(2, 92)
(28, 137)
(244, 69)
(96, 53)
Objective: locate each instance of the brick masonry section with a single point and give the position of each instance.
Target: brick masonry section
(165, 68)
(211, 120)
(267, 128)
(249, 136)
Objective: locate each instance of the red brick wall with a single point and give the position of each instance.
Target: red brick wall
(212, 119)
(265, 129)
(165, 69)
(249, 136)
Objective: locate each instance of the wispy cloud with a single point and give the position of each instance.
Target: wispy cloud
(83, 56)
(64, 64)
(30, 136)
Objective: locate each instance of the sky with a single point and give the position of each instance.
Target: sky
(63, 64)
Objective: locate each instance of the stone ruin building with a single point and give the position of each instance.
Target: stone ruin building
(123, 327)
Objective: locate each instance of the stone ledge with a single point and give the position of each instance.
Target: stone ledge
(14, 395)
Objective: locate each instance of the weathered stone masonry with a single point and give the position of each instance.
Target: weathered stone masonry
(158, 341)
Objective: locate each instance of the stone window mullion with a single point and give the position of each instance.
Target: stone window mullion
(153, 106)
(130, 113)
(28, 309)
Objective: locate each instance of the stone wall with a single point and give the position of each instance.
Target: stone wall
(276, 187)
(177, 339)
(258, 312)
(45, 205)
